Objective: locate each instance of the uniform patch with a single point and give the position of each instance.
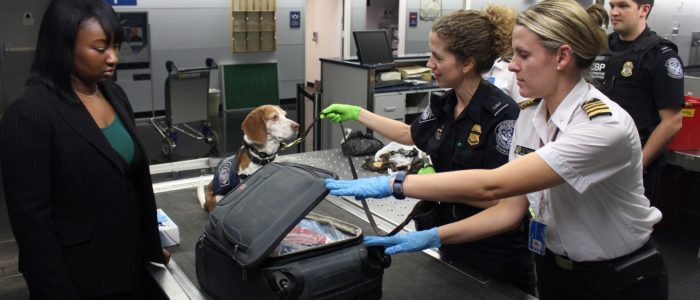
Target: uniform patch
(504, 134)
(627, 69)
(225, 174)
(674, 68)
(520, 150)
(427, 115)
(474, 135)
(529, 102)
(596, 108)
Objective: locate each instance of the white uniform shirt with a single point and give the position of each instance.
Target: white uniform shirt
(600, 211)
(504, 79)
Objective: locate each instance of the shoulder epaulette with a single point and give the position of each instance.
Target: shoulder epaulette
(529, 102)
(596, 108)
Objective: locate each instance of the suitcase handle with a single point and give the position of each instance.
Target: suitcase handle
(284, 283)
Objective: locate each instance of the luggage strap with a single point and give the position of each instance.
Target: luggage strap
(365, 207)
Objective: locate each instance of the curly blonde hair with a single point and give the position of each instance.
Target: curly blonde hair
(480, 35)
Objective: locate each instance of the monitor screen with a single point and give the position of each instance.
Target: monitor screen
(373, 47)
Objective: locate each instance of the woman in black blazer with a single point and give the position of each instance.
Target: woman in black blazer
(76, 178)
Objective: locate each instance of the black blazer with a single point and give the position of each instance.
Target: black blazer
(84, 219)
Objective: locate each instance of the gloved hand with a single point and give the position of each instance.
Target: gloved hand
(341, 112)
(406, 241)
(371, 187)
(426, 169)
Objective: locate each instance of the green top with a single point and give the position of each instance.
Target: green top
(120, 139)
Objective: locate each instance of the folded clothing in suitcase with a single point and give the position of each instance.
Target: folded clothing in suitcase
(248, 252)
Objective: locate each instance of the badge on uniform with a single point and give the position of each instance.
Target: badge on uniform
(474, 135)
(627, 69)
(674, 68)
(438, 133)
(535, 240)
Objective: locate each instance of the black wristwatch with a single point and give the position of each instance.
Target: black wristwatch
(397, 187)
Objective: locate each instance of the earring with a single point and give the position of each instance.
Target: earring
(558, 68)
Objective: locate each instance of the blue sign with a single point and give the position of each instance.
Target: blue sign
(121, 2)
(294, 19)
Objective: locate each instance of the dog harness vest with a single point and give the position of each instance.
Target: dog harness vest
(226, 175)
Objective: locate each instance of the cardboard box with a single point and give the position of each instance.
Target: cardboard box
(169, 233)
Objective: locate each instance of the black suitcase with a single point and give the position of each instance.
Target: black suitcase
(233, 256)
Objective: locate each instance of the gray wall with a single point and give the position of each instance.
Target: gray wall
(187, 32)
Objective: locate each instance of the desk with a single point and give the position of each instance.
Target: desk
(410, 276)
(349, 82)
(687, 159)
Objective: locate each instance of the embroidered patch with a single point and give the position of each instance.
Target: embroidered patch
(627, 69)
(427, 115)
(520, 150)
(504, 134)
(474, 135)
(674, 68)
(596, 108)
(224, 174)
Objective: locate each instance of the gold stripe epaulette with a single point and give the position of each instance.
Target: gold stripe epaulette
(596, 108)
(529, 102)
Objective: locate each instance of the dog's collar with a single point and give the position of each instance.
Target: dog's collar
(257, 156)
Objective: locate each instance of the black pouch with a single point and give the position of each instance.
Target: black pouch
(646, 264)
(358, 144)
(427, 215)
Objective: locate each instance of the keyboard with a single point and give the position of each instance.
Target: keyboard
(388, 83)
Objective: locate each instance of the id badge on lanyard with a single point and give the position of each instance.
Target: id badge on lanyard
(535, 240)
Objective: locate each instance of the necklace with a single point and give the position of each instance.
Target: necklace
(86, 95)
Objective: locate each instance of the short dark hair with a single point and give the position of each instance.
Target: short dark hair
(642, 2)
(53, 59)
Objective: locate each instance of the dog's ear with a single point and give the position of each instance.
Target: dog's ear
(254, 126)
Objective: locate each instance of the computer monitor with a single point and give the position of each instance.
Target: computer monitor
(373, 47)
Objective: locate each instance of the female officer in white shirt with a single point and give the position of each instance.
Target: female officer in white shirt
(575, 159)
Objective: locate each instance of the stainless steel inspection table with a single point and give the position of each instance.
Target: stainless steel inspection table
(411, 276)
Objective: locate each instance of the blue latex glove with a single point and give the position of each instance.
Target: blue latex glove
(371, 187)
(406, 241)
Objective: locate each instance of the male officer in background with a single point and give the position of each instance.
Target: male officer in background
(643, 73)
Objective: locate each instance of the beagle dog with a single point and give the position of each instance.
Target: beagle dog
(264, 129)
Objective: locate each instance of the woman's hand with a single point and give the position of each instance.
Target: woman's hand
(406, 241)
(341, 112)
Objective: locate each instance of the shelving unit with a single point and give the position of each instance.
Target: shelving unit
(253, 25)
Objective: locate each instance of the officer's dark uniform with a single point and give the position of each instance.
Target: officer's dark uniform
(478, 139)
(643, 76)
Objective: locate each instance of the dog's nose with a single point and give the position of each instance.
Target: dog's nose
(295, 126)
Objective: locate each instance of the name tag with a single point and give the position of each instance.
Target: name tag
(535, 241)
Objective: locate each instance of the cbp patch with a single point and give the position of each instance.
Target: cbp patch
(427, 115)
(674, 68)
(224, 174)
(504, 134)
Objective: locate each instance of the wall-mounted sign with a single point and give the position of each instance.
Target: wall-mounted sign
(121, 2)
(294, 19)
(413, 19)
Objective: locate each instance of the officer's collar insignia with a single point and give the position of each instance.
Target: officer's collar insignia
(427, 115)
(438, 132)
(474, 135)
(521, 150)
(674, 68)
(627, 69)
(596, 108)
(529, 102)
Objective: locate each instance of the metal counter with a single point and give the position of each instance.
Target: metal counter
(687, 159)
(411, 275)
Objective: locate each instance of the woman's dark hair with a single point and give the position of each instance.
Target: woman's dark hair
(53, 59)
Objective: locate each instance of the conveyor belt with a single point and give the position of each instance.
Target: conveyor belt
(411, 276)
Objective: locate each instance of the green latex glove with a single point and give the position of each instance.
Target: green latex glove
(341, 112)
(426, 169)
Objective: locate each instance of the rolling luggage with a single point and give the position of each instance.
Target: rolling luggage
(262, 242)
